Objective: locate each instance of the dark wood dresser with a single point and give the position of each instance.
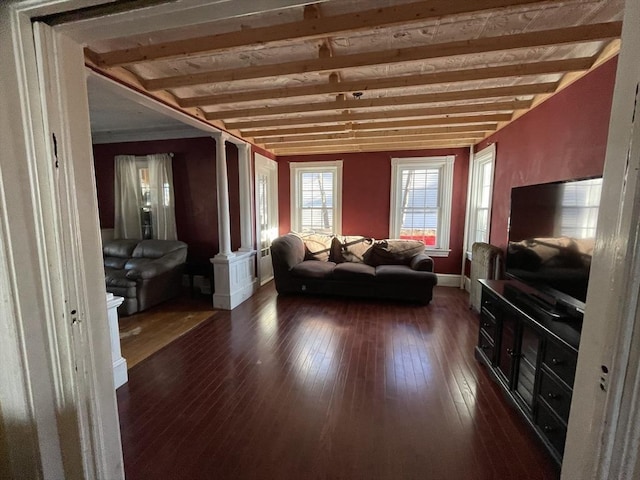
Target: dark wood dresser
(531, 351)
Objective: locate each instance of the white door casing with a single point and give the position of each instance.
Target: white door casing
(266, 195)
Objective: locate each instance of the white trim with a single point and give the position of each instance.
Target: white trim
(466, 283)
(143, 135)
(446, 165)
(485, 156)
(448, 280)
(296, 169)
(604, 428)
(265, 164)
(234, 279)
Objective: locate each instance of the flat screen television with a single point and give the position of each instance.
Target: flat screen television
(552, 230)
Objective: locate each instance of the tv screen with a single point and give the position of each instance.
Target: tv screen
(552, 230)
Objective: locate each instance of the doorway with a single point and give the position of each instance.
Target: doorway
(266, 183)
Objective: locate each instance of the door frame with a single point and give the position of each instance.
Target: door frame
(262, 162)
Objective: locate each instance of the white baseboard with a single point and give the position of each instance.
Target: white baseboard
(120, 376)
(231, 301)
(467, 283)
(448, 280)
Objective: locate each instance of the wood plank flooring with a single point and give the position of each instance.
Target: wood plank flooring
(324, 388)
(144, 333)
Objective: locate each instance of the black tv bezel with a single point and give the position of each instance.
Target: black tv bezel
(553, 297)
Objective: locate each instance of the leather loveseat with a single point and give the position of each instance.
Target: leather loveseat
(144, 272)
(353, 266)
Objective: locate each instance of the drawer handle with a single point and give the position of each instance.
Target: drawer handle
(553, 396)
(556, 361)
(486, 325)
(486, 347)
(548, 429)
(511, 353)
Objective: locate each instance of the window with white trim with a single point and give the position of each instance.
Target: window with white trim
(480, 196)
(316, 197)
(421, 193)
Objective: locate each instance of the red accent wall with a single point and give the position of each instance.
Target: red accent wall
(194, 176)
(366, 195)
(563, 138)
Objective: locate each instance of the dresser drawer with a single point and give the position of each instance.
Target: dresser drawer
(487, 347)
(555, 395)
(562, 361)
(489, 305)
(488, 324)
(551, 427)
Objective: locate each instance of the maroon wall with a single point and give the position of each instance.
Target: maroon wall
(194, 176)
(366, 195)
(563, 138)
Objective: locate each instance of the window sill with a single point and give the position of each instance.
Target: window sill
(437, 253)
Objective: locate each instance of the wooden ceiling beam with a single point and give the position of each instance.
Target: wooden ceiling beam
(466, 75)
(477, 121)
(376, 147)
(309, 28)
(374, 140)
(368, 116)
(456, 130)
(582, 33)
(451, 96)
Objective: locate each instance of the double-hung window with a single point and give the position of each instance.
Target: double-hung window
(316, 197)
(421, 195)
(480, 195)
(579, 212)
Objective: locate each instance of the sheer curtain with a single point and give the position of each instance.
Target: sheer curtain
(163, 215)
(127, 198)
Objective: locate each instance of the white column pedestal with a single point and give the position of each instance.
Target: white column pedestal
(120, 376)
(234, 279)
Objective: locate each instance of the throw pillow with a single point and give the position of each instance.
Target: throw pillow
(393, 252)
(350, 248)
(317, 246)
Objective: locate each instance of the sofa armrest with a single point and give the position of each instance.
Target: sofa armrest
(158, 266)
(422, 263)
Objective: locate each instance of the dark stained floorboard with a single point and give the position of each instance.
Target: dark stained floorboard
(325, 388)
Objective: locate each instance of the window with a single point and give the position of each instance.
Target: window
(421, 191)
(316, 197)
(480, 194)
(579, 214)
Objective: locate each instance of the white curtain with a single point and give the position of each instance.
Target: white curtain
(163, 215)
(127, 198)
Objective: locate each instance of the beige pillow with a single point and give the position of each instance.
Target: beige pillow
(393, 252)
(317, 246)
(350, 248)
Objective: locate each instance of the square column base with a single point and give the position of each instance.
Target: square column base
(235, 279)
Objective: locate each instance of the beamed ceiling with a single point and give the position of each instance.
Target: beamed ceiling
(348, 75)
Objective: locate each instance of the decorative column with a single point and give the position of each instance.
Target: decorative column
(233, 272)
(120, 376)
(222, 183)
(246, 226)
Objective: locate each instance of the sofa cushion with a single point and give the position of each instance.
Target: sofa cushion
(313, 269)
(115, 262)
(393, 252)
(354, 271)
(350, 248)
(317, 246)
(157, 248)
(137, 263)
(122, 248)
(118, 284)
(400, 274)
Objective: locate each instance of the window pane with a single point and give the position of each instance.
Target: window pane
(316, 201)
(579, 213)
(419, 206)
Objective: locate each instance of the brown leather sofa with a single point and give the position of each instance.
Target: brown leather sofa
(144, 272)
(382, 270)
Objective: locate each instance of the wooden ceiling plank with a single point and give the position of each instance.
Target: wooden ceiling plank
(359, 141)
(455, 130)
(439, 97)
(374, 148)
(581, 33)
(369, 116)
(309, 28)
(466, 75)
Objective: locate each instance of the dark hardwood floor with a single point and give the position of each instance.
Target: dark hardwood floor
(324, 388)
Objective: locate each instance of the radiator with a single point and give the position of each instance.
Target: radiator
(486, 262)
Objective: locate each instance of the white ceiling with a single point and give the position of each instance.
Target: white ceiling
(117, 115)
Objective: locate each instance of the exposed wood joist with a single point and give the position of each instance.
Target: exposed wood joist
(374, 140)
(582, 33)
(309, 28)
(456, 130)
(466, 75)
(444, 119)
(442, 97)
(392, 146)
(396, 125)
